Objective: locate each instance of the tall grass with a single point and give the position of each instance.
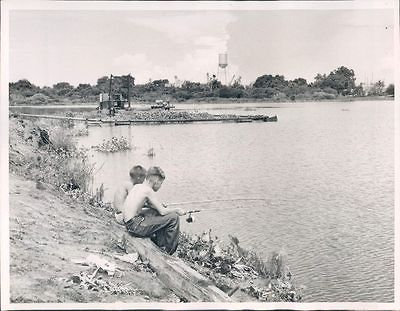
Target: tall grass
(62, 140)
(59, 163)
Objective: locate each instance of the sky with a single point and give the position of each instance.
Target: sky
(80, 46)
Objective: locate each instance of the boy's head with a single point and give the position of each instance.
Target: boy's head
(155, 176)
(138, 174)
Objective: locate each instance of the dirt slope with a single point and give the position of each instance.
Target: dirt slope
(47, 231)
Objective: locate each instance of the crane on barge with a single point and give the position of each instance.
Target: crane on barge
(113, 101)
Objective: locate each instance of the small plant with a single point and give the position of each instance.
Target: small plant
(80, 130)
(113, 145)
(151, 153)
(96, 199)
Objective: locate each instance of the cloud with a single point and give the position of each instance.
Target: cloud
(139, 65)
(192, 66)
(216, 43)
(184, 26)
(197, 37)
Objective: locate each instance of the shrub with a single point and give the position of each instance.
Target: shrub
(390, 89)
(17, 99)
(75, 174)
(80, 130)
(322, 95)
(279, 96)
(183, 94)
(330, 90)
(38, 99)
(229, 92)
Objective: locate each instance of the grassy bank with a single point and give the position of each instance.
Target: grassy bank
(57, 217)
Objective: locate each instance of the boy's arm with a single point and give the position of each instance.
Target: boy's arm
(161, 208)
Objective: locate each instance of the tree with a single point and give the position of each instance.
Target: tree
(269, 81)
(319, 79)
(160, 82)
(237, 83)
(295, 87)
(62, 88)
(23, 87)
(103, 84)
(380, 86)
(83, 90)
(48, 91)
(215, 84)
(341, 79)
(390, 90)
(299, 82)
(377, 88)
(359, 90)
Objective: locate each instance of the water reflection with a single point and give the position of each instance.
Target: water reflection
(328, 175)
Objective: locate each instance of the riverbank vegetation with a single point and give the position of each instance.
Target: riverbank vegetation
(44, 154)
(338, 84)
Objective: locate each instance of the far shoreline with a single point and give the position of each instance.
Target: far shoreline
(216, 102)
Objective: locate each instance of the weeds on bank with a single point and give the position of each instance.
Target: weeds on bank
(67, 169)
(46, 151)
(230, 266)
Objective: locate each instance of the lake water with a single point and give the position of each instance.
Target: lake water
(327, 170)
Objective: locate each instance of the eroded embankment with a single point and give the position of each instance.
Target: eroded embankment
(48, 231)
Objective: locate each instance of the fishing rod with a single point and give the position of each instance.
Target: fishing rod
(191, 219)
(215, 209)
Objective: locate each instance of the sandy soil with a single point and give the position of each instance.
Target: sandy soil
(47, 231)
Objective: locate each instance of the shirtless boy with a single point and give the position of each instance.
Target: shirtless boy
(137, 175)
(144, 222)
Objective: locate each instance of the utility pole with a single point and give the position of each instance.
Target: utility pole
(129, 94)
(110, 94)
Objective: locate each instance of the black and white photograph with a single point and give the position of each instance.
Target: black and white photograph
(199, 154)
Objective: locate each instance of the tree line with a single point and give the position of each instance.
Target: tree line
(340, 82)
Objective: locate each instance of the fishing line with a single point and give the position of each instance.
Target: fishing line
(190, 219)
(216, 200)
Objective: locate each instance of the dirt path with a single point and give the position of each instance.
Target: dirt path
(47, 231)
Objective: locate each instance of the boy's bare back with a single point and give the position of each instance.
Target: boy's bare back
(121, 195)
(134, 203)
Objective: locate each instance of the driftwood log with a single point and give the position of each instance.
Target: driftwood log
(185, 282)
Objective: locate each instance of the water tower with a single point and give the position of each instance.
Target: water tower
(223, 66)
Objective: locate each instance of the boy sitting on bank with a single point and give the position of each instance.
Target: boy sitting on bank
(159, 220)
(137, 175)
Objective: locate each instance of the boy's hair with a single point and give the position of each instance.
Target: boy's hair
(137, 171)
(155, 171)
